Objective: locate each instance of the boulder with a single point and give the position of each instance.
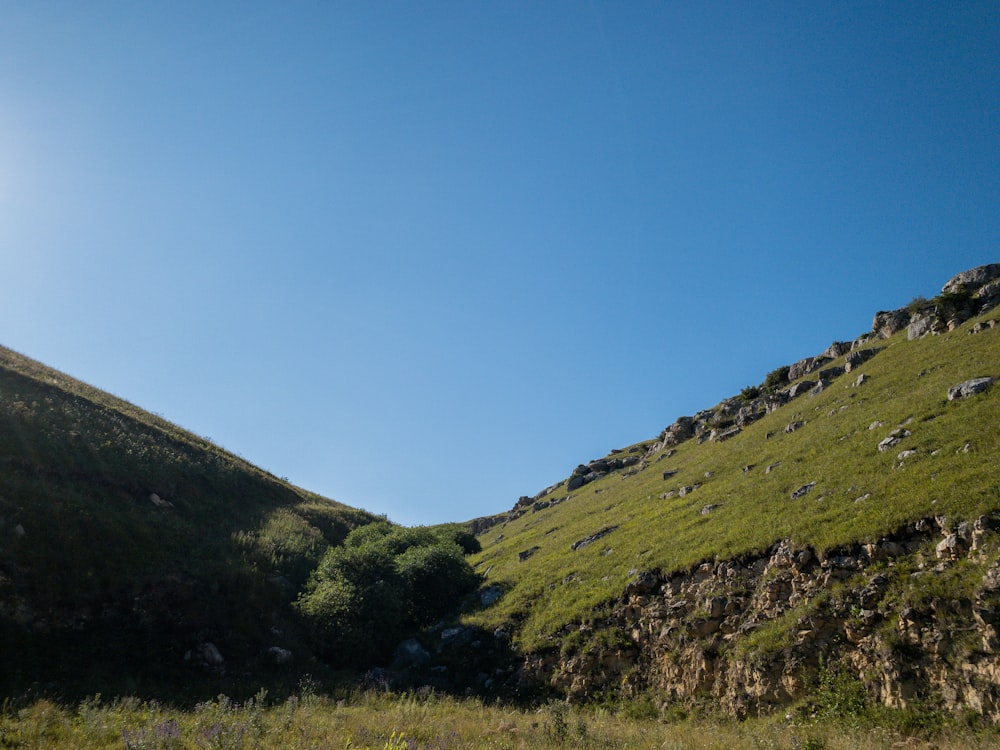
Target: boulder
(969, 388)
(893, 439)
(837, 349)
(859, 356)
(211, 655)
(988, 295)
(525, 554)
(888, 322)
(722, 435)
(799, 388)
(592, 538)
(806, 366)
(830, 373)
(803, 490)
(920, 326)
(409, 653)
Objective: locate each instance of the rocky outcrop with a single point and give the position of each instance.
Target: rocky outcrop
(963, 296)
(753, 634)
(974, 278)
(888, 323)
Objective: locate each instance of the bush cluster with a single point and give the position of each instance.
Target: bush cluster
(384, 583)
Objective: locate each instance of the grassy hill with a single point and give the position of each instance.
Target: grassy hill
(134, 553)
(809, 471)
(754, 544)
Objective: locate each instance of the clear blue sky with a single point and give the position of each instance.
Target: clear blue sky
(424, 258)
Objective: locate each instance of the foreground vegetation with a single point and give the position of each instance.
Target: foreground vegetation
(411, 721)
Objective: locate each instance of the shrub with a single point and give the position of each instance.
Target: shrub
(776, 378)
(363, 598)
(435, 578)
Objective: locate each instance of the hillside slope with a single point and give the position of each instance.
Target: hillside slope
(135, 554)
(700, 563)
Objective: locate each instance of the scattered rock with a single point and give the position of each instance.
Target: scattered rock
(793, 426)
(862, 379)
(983, 325)
(211, 655)
(723, 435)
(645, 583)
(772, 467)
(592, 538)
(159, 502)
(408, 654)
(803, 490)
(525, 554)
(969, 388)
(806, 366)
(893, 439)
(708, 509)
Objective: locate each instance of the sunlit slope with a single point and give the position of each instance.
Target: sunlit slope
(125, 540)
(733, 504)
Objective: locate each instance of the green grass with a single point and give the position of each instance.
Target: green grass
(431, 721)
(907, 384)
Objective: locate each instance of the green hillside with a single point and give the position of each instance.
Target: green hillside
(810, 471)
(837, 521)
(134, 553)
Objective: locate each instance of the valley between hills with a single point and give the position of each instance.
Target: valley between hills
(822, 547)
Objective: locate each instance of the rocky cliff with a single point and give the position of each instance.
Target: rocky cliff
(910, 616)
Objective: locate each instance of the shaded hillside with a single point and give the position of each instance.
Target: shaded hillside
(133, 553)
(829, 457)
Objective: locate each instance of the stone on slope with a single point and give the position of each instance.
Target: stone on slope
(969, 388)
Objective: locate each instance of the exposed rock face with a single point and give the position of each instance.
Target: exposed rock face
(975, 277)
(692, 635)
(887, 323)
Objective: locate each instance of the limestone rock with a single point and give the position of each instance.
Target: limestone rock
(859, 356)
(893, 439)
(969, 388)
(592, 538)
(211, 655)
(974, 278)
(409, 653)
(887, 323)
(803, 490)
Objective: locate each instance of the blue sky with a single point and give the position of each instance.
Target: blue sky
(424, 258)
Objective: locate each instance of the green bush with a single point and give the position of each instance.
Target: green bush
(435, 578)
(385, 582)
(776, 378)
